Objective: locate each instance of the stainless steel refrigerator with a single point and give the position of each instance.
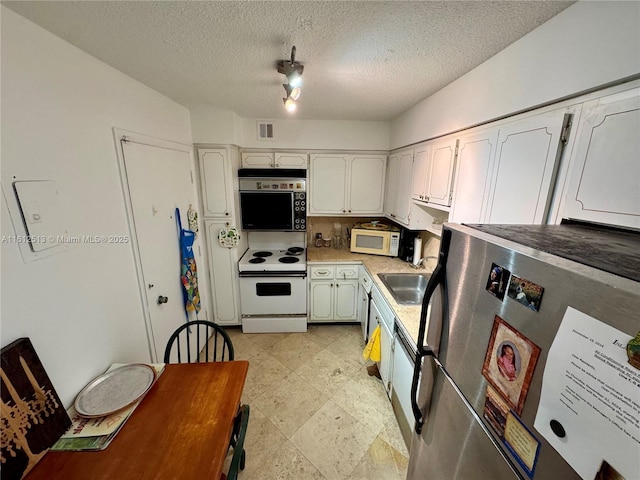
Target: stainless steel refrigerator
(509, 287)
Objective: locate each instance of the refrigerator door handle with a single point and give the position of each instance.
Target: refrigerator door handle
(437, 278)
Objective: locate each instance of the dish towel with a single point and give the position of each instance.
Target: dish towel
(372, 350)
(188, 271)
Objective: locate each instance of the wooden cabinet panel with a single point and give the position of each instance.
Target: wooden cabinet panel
(224, 277)
(473, 176)
(327, 184)
(346, 184)
(366, 182)
(216, 182)
(440, 178)
(605, 179)
(526, 160)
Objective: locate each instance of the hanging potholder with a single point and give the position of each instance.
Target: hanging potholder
(228, 237)
(188, 269)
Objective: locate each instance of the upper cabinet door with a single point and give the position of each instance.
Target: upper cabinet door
(403, 190)
(604, 184)
(527, 157)
(473, 176)
(440, 179)
(216, 181)
(366, 182)
(420, 173)
(290, 160)
(328, 184)
(257, 160)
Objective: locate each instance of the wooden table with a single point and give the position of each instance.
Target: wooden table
(180, 430)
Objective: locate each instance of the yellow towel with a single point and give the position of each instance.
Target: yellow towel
(372, 350)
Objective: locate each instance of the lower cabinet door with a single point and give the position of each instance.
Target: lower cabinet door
(346, 301)
(224, 277)
(321, 300)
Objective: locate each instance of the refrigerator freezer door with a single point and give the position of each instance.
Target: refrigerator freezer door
(453, 445)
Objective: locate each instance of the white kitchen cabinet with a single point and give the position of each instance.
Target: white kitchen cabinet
(346, 184)
(433, 168)
(333, 293)
(526, 162)
(290, 160)
(604, 184)
(274, 160)
(420, 172)
(398, 188)
(216, 180)
(441, 167)
(476, 152)
(223, 271)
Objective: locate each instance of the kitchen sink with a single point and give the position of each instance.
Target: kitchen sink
(406, 288)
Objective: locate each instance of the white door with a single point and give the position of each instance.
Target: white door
(328, 184)
(366, 184)
(527, 158)
(473, 176)
(158, 180)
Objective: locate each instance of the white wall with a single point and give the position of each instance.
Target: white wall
(81, 308)
(213, 125)
(587, 45)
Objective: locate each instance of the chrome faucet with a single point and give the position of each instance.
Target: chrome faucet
(420, 263)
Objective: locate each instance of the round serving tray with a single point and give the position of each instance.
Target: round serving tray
(114, 390)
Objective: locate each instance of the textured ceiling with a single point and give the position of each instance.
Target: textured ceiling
(362, 60)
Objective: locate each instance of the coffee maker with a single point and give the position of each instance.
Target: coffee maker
(405, 250)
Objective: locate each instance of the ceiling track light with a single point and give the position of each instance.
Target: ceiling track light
(293, 71)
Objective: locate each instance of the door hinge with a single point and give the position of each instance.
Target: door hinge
(564, 136)
(191, 173)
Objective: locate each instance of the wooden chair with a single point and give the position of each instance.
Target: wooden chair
(239, 455)
(200, 341)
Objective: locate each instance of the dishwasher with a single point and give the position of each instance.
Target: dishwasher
(404, 358)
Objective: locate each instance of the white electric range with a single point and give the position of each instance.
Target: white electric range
(273, 283)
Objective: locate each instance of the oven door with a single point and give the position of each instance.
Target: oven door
(267, 211)
(273, 294)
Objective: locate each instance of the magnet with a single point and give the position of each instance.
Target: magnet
(557, 428)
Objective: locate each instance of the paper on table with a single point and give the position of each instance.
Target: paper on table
(594, 394)
(82, 427)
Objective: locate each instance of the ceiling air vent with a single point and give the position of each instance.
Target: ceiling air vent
(265, 130)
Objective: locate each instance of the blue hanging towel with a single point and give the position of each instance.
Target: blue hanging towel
(188, 271)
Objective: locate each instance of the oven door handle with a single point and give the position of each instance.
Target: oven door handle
(272, 274)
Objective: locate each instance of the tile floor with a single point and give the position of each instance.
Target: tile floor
(315, 412)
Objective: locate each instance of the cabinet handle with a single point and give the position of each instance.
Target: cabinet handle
(344, 211)
(331, 285)
(226, 213)
(337, 285)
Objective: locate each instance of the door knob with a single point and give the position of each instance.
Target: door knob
(162, 300)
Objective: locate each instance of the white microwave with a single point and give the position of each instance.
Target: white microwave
(375, 242)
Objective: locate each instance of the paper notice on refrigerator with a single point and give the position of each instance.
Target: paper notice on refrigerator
(589, 407)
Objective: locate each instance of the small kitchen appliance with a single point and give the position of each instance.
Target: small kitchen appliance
(376, 239)
(405, 250)
(273, 199)
(273, 283)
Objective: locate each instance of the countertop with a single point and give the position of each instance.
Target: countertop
(407, 315)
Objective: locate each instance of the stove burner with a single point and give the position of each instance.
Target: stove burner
(262, 254)
(295, 250)
(288, 259)
(256, 260)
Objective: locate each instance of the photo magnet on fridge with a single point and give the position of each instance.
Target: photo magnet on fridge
(497, 281)
(525, 292)
(509, 363)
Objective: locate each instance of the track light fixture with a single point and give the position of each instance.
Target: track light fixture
(293, 71)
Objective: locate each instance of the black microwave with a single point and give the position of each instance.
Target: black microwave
(273, 199)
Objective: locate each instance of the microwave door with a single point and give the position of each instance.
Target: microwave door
(266, 210)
